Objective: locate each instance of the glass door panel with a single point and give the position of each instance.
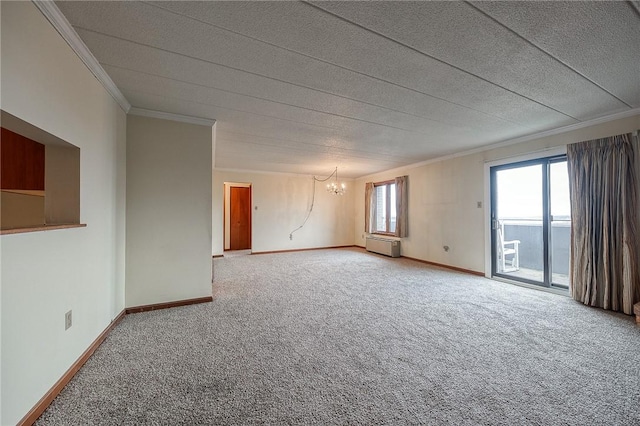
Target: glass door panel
(560, 239)
(518, 220)
(531, 222)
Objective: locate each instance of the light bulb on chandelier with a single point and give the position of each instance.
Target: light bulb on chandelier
(334, 187)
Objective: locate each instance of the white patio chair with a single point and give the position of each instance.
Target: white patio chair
(508, 253)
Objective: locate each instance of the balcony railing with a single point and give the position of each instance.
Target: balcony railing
(530, 234)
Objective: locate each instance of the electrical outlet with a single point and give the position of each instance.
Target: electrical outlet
(479, 204)
(67, 320)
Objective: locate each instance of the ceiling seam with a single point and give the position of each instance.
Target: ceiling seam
(271, 100)
(347, 150)
(271, 149)
(332, 63)
(333, 154)
(546, 53)
(532, 137)
(292, 105)
(329, 151)
(437, 59)
(221, 132)
(263, 115)
(635, 6)
(333, 159)
(270, 78)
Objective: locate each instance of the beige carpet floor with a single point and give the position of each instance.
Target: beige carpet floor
(347, 337)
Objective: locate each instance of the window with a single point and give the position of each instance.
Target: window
(40, 178)
(385, 209)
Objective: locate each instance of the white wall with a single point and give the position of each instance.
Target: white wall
(442, 211)
(168, 252)
(282, 202)
(45, 274)
(1, 237)
(443, 197)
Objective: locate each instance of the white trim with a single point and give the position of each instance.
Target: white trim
(51, 12)
(521, 139)
(173, 117)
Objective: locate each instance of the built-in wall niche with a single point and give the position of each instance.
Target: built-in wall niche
(39, 178)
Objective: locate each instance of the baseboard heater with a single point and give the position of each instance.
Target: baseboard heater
(385, 246)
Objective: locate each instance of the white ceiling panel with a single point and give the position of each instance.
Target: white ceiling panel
(464, 131)
(317, 34)
(404, 126)
(299, 87)
(233, 137)
(456, 33)
(136, 81)
(237, 121)
(259, 60)
(600, 40)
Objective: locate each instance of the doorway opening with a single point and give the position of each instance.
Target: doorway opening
(237, 217)
(531, 222)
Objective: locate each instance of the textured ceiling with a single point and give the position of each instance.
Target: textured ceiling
(302, 87)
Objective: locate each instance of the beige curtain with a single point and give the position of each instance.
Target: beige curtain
(604, 248)
(369, 207)
(402, 207)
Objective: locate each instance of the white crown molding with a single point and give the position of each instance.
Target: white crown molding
(515, 141)
(173, 117)
(50, 11)
(563, 129)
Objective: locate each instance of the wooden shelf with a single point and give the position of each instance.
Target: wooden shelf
(41, 228)
(33, 192)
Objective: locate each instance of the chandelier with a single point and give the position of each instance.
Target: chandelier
(336, 188)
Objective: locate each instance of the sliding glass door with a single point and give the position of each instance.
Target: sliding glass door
(530, 222)
(560, 223)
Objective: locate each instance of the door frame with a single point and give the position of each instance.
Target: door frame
(545, 164)
(488, 233)
(226, 206)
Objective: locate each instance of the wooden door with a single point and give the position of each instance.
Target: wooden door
(240, 218)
